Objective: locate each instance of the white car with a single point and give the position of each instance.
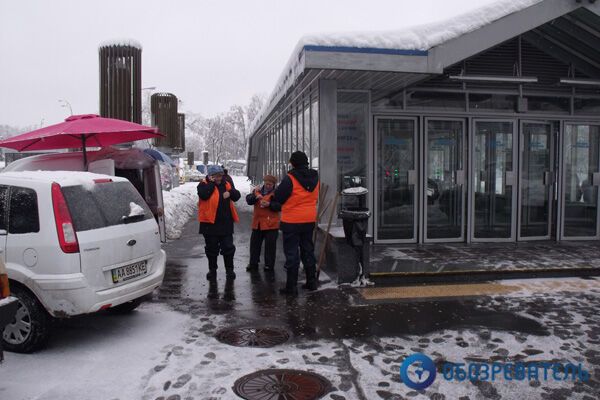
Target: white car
(74, 243)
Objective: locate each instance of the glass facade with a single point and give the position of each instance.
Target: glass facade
(295, 128)
(352, 138)
(493, 179)
(396, 191)
(536, 179)
(494, 158)
(445, 178)
(582, 170)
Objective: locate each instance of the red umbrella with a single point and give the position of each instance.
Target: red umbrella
(81, 131)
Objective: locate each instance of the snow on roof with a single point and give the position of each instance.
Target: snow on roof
(420, 38)
(121, 42)
(65, 178)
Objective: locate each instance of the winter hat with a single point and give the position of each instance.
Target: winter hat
(298, 159)
(215, 170)
(270, 178)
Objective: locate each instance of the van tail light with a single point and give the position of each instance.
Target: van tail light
(4, 289)
(64, 224)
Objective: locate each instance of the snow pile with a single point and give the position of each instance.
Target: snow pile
(135, 209)
(244, 186)
(180, 204)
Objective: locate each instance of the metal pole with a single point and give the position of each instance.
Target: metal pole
(85, 164)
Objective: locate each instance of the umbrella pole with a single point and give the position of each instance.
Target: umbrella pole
(85, 164)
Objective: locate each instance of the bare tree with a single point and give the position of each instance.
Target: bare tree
(224, 136)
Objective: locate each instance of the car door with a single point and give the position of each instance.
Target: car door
(154, 198)
(3, 215)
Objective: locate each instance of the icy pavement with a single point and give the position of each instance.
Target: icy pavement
(507, 257)
(167, 350)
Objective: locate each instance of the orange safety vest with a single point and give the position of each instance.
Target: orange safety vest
(301, 206)
(264, 218)
(207, 209)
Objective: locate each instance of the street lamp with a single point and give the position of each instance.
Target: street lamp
(65, 103)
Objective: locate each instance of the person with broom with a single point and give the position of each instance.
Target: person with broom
(297, 195)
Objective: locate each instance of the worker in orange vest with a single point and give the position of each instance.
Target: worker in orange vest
(297, 196)
(265, 224)
(216, 214)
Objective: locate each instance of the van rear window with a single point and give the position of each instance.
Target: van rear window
(106, 204)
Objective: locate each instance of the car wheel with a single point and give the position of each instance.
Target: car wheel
(126, 308)
(29, 330)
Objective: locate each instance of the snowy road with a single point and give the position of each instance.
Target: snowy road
(167, 350)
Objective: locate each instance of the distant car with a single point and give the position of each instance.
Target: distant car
(8, 304)
(192, 175)
(74, 243)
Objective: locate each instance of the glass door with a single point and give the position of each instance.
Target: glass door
(396, 180)
(443, 195)
(493, 175)
(581, 178)
(536, 180)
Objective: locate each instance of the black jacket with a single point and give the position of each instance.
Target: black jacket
(309, 179)
(224, 220)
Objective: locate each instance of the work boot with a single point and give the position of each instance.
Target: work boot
(252, 267)
(229, 274)
(213, 289)
(311, 278)
(291, 285)
(229, 294)
(212, 269)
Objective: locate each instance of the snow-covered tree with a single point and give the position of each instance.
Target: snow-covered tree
(224, 136)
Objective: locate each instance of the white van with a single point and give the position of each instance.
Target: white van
(139, 168)
(74, 243)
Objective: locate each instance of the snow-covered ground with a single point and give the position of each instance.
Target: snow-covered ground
(101, 356)
(160, 353)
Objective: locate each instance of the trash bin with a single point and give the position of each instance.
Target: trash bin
(355, 216)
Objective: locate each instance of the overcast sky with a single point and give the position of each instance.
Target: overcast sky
(209, 53)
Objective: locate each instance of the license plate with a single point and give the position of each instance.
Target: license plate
(129, 272)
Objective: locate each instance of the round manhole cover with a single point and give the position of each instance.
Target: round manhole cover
(281, 384)
(253, 337)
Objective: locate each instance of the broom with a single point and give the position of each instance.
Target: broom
(322, 255)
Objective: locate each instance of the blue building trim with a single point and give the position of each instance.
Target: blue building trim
(366, 50)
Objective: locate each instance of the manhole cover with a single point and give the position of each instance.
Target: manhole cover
(281, 384)
(253, 337)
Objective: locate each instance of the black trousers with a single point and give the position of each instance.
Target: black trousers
(298, 245)
(219, 244)
(256, 240)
